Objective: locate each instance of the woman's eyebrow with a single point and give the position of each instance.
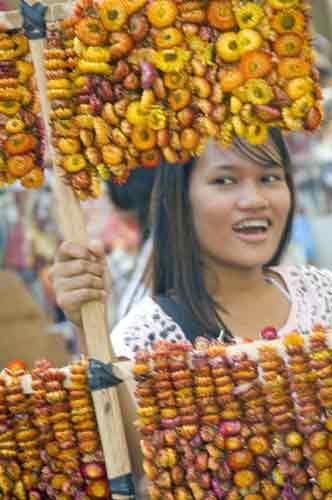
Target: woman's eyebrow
(268, 166)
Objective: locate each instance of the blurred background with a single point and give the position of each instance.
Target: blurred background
(29, 234)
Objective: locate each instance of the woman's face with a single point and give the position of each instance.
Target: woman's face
(239, 207)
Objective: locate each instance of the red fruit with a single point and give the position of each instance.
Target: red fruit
(163, 138)
(138, 27)
(313, 119)
(186, 117)
(96, 105)
(121, 44)
(131, 82)
(281, 97)
(121, 70)
(230, 428)
(81, 180)
(201, 462)
(105, 90)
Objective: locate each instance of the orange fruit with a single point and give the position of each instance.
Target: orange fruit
(220, 15)
(288, 45)
(179, 99)
(33, 179)
(189, 139)
(20, 165)
(19, 143)
(293, 67)
(162, 13)
(91, 31)
(231, 79)
(175, 80)
(144, 138)
(113, 15)
(150, 158)
(255, 64)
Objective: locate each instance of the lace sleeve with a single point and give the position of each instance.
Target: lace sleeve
(145, 324)
(311, 293)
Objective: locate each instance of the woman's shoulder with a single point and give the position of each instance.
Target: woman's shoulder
(145, 324)
(309, 276)
(310, 291)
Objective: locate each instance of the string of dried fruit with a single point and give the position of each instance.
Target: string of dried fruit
(24, 434)
(250, 451)
(308, 413)
(289, 473)
(59, 61)
(320, 442)
(21, 128)
(90, 479)
(10, 470)
(55, 475)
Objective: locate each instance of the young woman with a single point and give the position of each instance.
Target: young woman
(220, 226)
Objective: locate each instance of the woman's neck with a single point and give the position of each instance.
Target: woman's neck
(226, 283)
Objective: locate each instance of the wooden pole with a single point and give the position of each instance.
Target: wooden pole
(96, 335)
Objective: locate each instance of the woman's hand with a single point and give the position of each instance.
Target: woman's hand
(79, 276)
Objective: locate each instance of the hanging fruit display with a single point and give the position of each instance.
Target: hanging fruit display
(21, 128)
(49, 442)
(245, 422)
(134, 82)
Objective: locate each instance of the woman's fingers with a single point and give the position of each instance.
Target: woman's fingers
(77, 267)
(74, 299)
(69, 250)
(81, 282)
(78, 276)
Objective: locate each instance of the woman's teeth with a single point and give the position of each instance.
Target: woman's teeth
(252, 225)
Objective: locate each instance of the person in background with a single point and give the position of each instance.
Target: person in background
(127, 241)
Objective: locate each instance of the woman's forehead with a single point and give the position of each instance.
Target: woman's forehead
(215, 155)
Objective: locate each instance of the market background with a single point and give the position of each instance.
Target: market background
(31, 324)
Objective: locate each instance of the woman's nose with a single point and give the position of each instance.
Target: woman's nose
(252, 197)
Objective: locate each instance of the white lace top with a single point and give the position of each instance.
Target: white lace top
(309, 289)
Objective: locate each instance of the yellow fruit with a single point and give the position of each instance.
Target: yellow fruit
(298, 87)
(135, 115)
(228, 47)
(74, 163)
(249, 39)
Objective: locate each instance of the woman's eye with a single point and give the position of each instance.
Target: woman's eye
(271, 178)
(224, 181)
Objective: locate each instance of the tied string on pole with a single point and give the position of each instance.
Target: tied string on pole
(123, 486)
(34, 23)
(101, 376)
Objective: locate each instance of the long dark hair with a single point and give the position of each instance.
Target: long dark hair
(177, 263)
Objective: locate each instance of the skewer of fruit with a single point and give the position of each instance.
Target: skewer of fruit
(21, 128)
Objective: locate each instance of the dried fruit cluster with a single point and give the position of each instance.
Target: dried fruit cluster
(222, 425)
(21, 129)
(49, 443)
(133, 82)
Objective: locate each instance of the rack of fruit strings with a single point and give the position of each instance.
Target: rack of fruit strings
(62, 433)
(126, 83)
